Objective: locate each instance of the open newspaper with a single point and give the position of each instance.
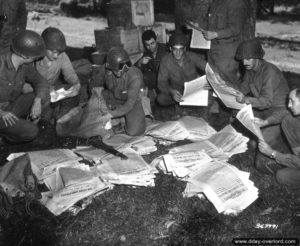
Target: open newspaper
(246, 117)
(195, 93)
(226, 93)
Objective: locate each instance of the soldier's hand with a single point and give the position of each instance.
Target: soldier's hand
(260, 122)
(208, 35)
(36, 109)
(146, 59)
(265, 148)
(8, 118)
(240, 97)
(176, 95)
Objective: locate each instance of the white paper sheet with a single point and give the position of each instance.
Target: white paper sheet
(246, 117)
(198, 41)
(194, 92)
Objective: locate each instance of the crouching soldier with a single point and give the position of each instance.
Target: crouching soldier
(123, 94)
(57, 69)
(15, 107)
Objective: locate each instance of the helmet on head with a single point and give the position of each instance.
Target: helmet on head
(29, 44)
(117, 57)
(178, 38)
(249, 49)
(54, 39)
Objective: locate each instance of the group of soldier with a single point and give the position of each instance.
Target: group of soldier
(40, 60)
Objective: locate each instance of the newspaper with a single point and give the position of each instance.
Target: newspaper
(45, 162)
(188, 127)
(194, 93)
(133, 171)
(226, 93)
(246, 117)
(72, 185)
(229, 189)
(212, 150)
(184, 163)
(57, 95)
(220, 146)
(230, 141)
(198, 41)
(91, 153)
(143, 145)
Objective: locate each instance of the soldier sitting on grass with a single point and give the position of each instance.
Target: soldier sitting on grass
(15, 67)
(286, 167)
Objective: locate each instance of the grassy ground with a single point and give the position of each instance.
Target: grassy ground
(153, 216)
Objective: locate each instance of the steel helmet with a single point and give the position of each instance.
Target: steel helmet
(29, 44)
(249, 49)
(178, 38)
(117, 57)
(54, 39)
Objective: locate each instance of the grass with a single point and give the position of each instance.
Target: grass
(153, 215)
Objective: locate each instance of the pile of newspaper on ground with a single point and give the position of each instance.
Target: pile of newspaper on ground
(202, 164)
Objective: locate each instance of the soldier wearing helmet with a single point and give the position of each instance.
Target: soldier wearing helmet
(13, 19)
(15, 68)
(263, 85)
(123, 84)
(54, 64)
(176, 68)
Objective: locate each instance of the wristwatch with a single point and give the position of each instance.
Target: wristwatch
(273, 155)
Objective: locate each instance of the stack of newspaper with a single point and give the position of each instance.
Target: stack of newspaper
(228, 188)
(188, 127)
(221, 145)
(70, 185)
(133, 171)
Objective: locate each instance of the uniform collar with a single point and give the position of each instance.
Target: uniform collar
(9, 63)
(258, 65)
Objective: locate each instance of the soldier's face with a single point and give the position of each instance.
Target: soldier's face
(294, 103)
(52, 54)
(151, 45)
(178, 51)
(249, 63)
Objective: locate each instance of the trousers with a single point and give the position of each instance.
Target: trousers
(23, 130)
